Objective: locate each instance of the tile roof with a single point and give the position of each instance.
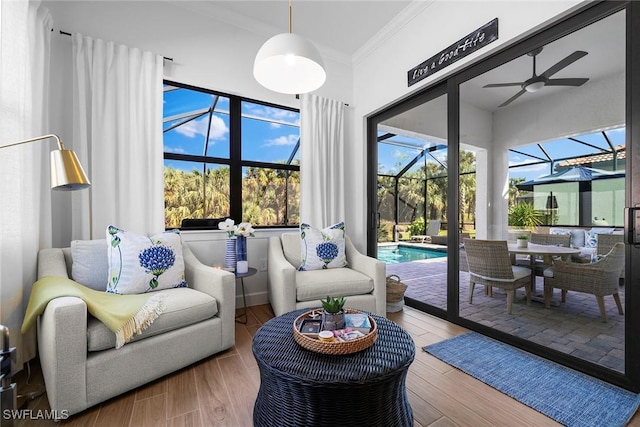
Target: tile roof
(596, 158)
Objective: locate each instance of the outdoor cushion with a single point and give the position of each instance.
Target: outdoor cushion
(314, 285)
(183, 307)
(518, 273)
(591, 236)
(577, 235)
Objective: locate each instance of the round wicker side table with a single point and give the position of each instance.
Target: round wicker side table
(299, 387)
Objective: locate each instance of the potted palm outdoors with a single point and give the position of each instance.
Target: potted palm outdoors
(524, 218)
(333, 313)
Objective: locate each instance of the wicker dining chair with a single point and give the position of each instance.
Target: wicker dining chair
(606, 242)
(599, 278)
(490, 265)
(551, 239)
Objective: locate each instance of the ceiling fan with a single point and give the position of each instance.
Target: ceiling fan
(537, 82)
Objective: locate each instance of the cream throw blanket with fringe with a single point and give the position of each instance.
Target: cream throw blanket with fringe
(125, 315)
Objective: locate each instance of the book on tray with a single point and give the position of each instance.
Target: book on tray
(357, 322)
(347, 334)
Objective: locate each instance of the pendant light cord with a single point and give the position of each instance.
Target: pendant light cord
(290, 25)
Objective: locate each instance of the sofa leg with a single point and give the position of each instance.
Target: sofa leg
(472, 286)
(603, 313)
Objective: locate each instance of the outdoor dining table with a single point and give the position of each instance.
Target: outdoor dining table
(547, 252)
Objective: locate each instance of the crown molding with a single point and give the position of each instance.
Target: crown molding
(392, 27)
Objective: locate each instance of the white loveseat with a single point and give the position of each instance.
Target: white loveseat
(362, 282)
(80, 365)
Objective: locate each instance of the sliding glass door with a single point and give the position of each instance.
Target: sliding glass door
(548, 130)
(411, 180)
(538, 142)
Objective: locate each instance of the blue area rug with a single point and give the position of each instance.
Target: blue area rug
(569, 397)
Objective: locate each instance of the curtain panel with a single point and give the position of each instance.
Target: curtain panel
(322, 161)
(25, 191)
(117, 131)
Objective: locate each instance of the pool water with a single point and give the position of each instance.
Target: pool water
(400, 253)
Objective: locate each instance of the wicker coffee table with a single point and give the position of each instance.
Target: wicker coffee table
(299, 387)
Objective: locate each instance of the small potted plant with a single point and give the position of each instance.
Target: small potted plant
(333, 313)
(522, 241)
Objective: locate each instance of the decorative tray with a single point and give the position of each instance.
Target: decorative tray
(311, 342)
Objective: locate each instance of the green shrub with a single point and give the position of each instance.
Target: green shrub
(417, 227)
(524, 215)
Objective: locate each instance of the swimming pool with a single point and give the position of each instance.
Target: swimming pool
(401, 253)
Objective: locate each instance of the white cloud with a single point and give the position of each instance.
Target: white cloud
(282, 140)
(218, 129)
(272, 113)
(177, 150)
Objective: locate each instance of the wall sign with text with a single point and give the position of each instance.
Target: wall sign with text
(463, 47)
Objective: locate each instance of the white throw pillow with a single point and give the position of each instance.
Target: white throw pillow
(139, 264)
(90, 266)
(322, 249)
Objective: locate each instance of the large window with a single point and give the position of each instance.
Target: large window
(225, 156)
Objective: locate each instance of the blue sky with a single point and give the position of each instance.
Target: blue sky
(269, 134)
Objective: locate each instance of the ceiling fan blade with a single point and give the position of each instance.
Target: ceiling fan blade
(502, 84)
(564, 63)
(566, 82)
(513, 98)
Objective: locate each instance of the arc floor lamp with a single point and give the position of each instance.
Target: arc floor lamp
(66, 174)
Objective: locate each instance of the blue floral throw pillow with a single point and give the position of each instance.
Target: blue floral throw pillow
(139, 264)
(321, 249)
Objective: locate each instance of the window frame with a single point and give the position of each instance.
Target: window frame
(235, 162)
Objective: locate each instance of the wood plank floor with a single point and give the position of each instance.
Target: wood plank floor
(221, 390)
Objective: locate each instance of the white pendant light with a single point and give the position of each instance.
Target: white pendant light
(288, 63)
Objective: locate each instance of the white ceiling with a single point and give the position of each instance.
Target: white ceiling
(338, 26)
(348, 28)
(603, 41)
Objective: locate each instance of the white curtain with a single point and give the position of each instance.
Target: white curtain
(117, 131)
(25, 190)
(321, 161)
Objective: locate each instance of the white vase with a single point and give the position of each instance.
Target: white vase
(522, 243)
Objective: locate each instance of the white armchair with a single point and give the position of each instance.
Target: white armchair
(362, 282)
(80, 365)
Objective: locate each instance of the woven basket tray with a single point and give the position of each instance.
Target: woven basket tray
(336, 347)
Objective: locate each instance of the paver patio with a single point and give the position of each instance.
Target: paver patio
(573, 327)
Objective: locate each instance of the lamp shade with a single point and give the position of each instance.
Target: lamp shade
(66, 171)
(288, 63)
